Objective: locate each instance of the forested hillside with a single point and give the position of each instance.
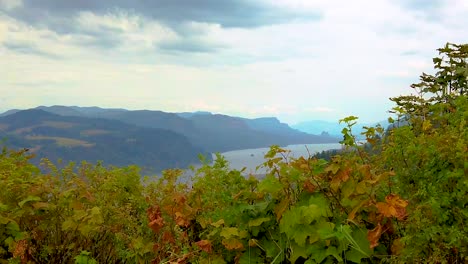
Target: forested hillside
(400, 199)
(74, 138)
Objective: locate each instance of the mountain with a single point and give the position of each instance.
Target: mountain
(9, 112)
(224, 133)
(272, 125)
(333, 128)
(190, 114)
(211, 132)
(76, 138)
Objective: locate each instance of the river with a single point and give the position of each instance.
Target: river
(251, 158)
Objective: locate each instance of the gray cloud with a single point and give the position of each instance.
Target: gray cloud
(28, 48)
(227, 13)
(59, 16)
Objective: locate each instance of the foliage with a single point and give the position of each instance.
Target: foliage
(401, 197)
(430, 159)
(56, 216)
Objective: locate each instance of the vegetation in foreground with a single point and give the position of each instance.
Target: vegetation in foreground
(404, 201)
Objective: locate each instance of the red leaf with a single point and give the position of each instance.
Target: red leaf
(205, 245)
(374, 235)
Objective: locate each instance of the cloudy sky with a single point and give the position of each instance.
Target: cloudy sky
(294, 59)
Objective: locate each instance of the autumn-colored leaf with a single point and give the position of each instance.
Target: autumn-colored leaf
(168, 237)
(181, 220)
(205, 245)
(253, 242)
(156, 222)
(281, 208)
(232, 244)
(386, 209)
(394, 206)
(179, 199)
(308, 186)
(20, 250)
(374, 235)
(341, 176)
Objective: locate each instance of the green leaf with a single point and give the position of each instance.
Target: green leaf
(29, 199)
(4, 220)
(68, 225)
(270, 185)
(258, 221)
(297, 251)
(250, 256)
(96, 216)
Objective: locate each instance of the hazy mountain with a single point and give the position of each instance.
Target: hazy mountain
(9, 112)
(333, 128)
(211, 132)
(272, 125)
(190, 114)
(223, 133)
(74, 138)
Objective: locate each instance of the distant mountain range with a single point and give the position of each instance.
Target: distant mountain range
(153, 139)
(333, 128)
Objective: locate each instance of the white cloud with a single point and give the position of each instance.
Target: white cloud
(349, 62)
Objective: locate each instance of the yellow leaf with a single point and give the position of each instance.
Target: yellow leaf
(281, 208)
(426, 125)
(218, 223)
(229, 232)
(232, 244)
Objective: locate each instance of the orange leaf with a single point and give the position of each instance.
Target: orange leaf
(20, 250)
(394, 206)
(179, 199)
(156, 222)
(396, 200)
(386, 209)
(181, 220)
(168, 237)
(205, 245)
(308, 186)
(374, 235)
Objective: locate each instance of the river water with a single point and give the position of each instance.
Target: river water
(251, 158)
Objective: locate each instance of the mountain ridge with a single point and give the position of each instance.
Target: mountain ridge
(76, 138)
(211, 132)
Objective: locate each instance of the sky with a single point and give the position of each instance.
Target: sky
(297, 60)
